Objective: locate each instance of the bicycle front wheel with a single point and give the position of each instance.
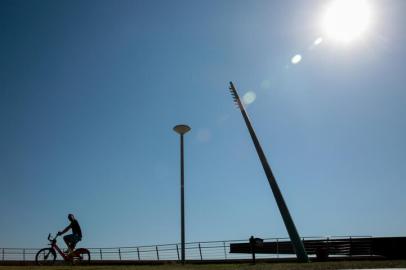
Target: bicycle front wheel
(45, 256)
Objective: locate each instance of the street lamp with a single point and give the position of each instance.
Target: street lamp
(182, 129)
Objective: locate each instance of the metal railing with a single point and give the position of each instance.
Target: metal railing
(209, 250)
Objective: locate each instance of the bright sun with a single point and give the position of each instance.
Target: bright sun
(346, 20)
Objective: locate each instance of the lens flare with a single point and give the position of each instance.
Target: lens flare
(249, 97)
(318, 41)
(296, 59)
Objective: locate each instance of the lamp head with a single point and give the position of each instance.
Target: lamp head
(181, 129)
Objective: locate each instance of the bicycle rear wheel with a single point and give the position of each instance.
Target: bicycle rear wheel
(45, 256)
(82, 256)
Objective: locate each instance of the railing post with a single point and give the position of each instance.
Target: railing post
(177, 251)
(328, 246)
(157, 253)
(277, 248)
(138, 252)
(225, 251)
(101, 254)
(24, 254)
(119, 253)
(350, 247)
(200, 250)
(2, 254)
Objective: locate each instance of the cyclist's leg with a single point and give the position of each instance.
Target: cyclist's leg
(68, 241)
(75, 239)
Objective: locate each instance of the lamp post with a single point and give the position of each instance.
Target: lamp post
(182, 129)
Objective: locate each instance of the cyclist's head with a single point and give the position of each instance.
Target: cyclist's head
(71, 217)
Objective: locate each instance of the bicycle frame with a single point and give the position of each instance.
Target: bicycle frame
(54, 246)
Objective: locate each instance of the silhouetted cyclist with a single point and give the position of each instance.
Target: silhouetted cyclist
(72, 239)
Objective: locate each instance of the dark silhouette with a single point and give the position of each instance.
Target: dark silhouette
(72, 239)
(47, 256)
(181, 130)
(255, 243)
(283, 208)
(350, 247)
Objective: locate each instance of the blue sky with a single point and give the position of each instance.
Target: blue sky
(90, 92)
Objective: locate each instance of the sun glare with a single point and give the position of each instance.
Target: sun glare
(346, 20)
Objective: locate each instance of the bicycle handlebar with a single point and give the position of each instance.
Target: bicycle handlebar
(49, 237)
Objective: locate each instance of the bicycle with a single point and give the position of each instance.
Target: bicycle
(47, 256)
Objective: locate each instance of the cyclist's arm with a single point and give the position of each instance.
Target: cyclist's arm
(66, 229)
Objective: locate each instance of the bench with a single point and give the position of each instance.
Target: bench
(322, 248)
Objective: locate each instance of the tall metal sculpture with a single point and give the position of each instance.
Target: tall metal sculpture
(287, 219)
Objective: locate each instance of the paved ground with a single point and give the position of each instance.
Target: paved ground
(332, 265)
